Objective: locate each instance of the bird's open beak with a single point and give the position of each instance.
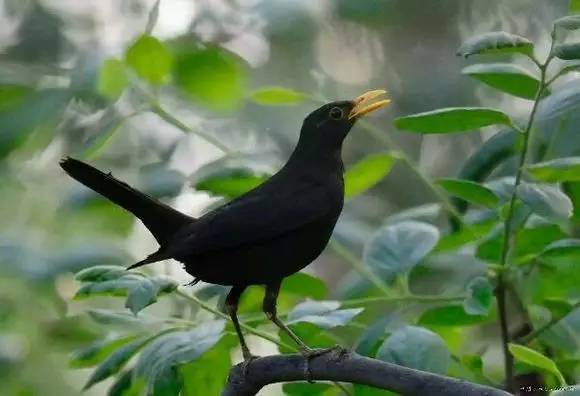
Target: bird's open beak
(363, 106)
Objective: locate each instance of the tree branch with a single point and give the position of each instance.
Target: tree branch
(348, 367)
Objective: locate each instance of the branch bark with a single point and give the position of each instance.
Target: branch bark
(350, 367)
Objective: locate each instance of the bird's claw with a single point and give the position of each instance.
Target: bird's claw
(310, 354)
(248, 358)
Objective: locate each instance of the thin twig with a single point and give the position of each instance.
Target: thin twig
(506, 246)
(249, 329)
(536, 333)
(359, 266)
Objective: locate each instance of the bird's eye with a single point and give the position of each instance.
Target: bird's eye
(336, 113)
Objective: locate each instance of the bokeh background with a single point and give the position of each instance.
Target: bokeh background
(53, 103)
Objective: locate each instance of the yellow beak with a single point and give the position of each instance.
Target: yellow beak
(363, 106)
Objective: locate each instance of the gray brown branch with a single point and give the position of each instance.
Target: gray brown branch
(348, 367)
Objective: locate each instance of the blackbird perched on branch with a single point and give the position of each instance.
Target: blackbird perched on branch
(264, 235)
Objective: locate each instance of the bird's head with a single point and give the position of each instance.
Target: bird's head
(331, 123)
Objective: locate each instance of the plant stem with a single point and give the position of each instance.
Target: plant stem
(436, 191)
(411, 298)
(163, 114)
(359, 266)
(506, 246)
(222, 315)
(249, 329)
(534, 334)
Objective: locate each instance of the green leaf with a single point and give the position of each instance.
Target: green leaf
(115, 362)
(150, 59)
(536, 359)
(564, 248)
(570, 67)
(110, 318)
(140, 290)
(505, 77)
(116, 287)
(397, 248)
(570, 51)
(451, 316)
(494, 43)
(570, 22)
(229, 182)
(366, 173)
(277, 96)
(169, 383)
(97, 351)
(112, 79)
(452, 119)
(574, 6)
(470, 191)
(557, 170)
(324, 314)
(140, 295)
(196, 375)
(305, 285)
(126, 385)
(211, 76)
(428, 213)
(174, 349)
(547, 201)
(561, 103)
(417, 348)
(12, 95)
(479, 297)
(100, 273)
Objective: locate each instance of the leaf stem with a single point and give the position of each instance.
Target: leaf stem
(411, 298)
(249, 329)
(166, 116)
(536, 333)
(507, 241)
(389, 144)
(359, 266)
(180, 292)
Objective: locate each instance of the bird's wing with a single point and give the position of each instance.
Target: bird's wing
(260, 215)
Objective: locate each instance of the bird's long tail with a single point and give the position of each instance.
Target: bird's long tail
(160, 219)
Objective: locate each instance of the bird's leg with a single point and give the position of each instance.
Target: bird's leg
(272, 291)
(232, 301)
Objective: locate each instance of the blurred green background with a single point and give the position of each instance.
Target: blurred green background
(178, 114)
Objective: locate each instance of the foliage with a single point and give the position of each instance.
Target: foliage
(423, 287)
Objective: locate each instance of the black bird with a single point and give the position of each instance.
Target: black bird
(264, 235)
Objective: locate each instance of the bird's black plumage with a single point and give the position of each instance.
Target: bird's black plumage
(262, 236)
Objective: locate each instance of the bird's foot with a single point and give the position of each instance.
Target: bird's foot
(248, 358)
(311, 353)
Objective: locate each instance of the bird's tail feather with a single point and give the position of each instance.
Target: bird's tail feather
(161, 220)
(152, 258)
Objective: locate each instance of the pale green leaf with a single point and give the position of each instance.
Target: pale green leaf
(557, 170)
(396, 248)
(366, 173)
(470, 191)
(453, 119)
(545, 200)
(494, 43)
(211, 76)
(568, 51)
(505, 77)
(150, 59)
(536, 359)
(112, 79)
(277, 96)
(417, 348)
